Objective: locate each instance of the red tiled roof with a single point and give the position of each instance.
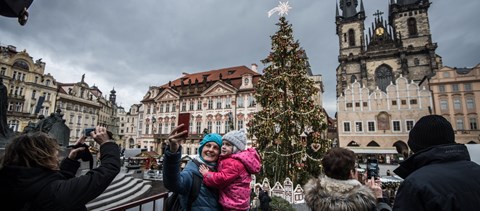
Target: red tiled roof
(214, 75)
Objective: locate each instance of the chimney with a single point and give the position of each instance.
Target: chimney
(254, 67)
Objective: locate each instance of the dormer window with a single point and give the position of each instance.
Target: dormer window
(246, 81)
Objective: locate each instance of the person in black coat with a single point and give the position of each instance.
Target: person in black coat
(264, 200)
(440, 175)
(31, 177)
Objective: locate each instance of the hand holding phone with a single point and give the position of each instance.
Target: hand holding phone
(179, 133)
(184, 118)
(88, 131)
(372, 168)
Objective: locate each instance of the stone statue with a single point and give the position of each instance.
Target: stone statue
(5, 131)
(53, 125)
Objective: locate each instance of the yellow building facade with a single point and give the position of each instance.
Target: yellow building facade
(31, 92)
(457, 92)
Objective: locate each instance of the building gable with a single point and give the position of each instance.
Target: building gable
(218, 89)
(167, 95)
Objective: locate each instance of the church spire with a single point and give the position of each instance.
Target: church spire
(361, 6)
(349, 8)
(336, 10)
(113, 96)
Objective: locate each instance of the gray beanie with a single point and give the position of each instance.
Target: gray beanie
(237, 138)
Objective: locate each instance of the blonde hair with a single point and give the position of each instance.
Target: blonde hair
(34, 150)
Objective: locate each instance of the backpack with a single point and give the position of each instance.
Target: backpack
(172, 203)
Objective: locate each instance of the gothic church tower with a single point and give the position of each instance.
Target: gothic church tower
(387, 50)
(350, 31)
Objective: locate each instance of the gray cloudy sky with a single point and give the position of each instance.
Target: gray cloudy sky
(131, 45)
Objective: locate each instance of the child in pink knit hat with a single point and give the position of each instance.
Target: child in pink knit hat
(235, 166)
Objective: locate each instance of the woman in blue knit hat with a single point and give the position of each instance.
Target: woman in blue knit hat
(181, 182)
(235, 167)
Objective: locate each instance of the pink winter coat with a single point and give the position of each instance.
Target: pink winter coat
(233, 178)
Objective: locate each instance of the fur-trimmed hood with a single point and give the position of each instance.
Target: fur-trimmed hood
(326, 193)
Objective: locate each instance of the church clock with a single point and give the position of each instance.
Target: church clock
(379, 31)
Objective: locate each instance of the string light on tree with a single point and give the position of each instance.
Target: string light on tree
(287, 129)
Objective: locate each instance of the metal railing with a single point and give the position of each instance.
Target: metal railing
(153, 203)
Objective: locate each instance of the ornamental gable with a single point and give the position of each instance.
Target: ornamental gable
(219, 89)
(167, 95)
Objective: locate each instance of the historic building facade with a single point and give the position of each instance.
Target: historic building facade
(31, 92)
(129, 129)
(84, 106)
(381, 119)
(80, 107)
(107, 115)
(218, 101)
(457, 92)
(401, 46)
(373, 63)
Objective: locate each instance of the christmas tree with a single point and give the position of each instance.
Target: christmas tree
(288, 128)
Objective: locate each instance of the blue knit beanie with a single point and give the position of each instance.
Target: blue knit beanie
(212, 137)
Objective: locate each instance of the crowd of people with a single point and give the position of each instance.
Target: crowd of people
(438, 176)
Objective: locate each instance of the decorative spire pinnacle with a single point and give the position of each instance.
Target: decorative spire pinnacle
(336, 9)
(361, 6)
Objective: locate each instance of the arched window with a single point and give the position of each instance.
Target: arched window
(416, 61)
(351, 37)
(353, 79)
(412, 26)
(21, 64)
(131, 143)
(402, 148)
(383, 77)
(353, 144)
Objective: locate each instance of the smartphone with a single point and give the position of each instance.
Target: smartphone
(372, 168)
(88, 131)
(184, 118)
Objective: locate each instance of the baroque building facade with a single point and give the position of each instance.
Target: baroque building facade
(129, 129)
(218, 101)
(107, 115)
(373, 62)
(457, 92)
(80, 107)
(31, 92)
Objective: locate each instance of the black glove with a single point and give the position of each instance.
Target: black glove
(85, 154)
